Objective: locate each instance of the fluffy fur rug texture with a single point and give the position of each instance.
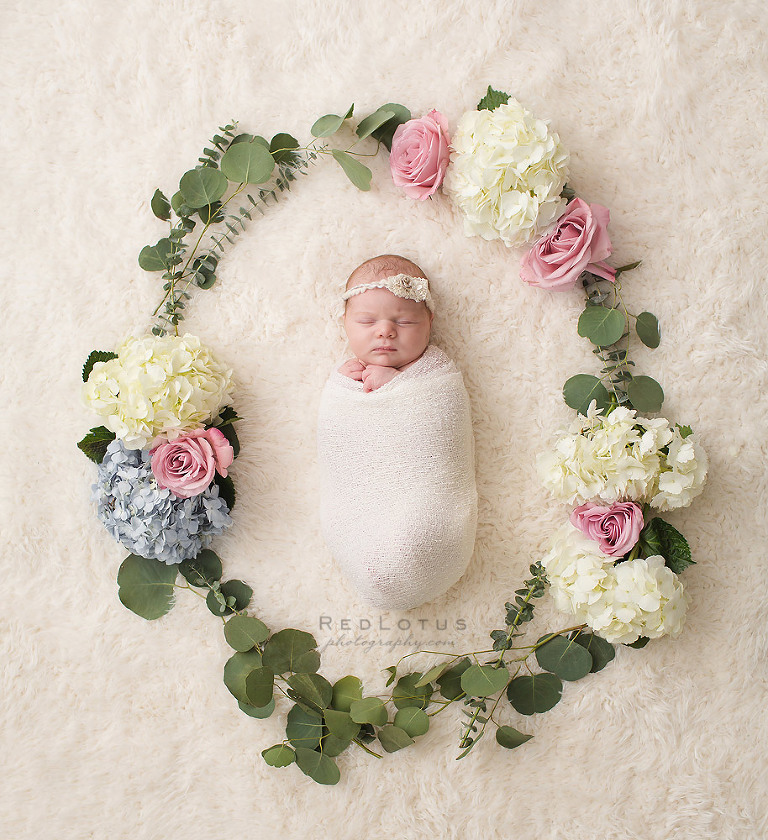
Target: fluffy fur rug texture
(115, 727)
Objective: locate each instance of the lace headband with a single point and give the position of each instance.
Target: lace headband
(402, 285)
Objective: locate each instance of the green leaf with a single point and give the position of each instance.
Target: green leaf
(580, 390)
(509, 737)
(226, 486)
(492, 100)
(230, 434)
(357, 172)
(179, 207)
(317, 766)
(629, 267)
(330, 123)
(303, 729)
(405, 693)
(313, 688)
(160, 206)
(647, 326)
(537, 693)
(602, 326)
(601, 651)
(247, 163)
(146, 586)
(369, 710)
(386, 131)
(279, 756)
(209, 213)
(202, 570)
(333, 746)
(393, 738)
(645, 394)
(93, 357)
(244, 632)
(412, 721)
(236, 589)
(432, 674)
(372, 122)
(640, 643)
(155, 257)
(345, 692)
(95, 443)
(565, 658)
(659, 537)
(281, 148)
(484, 680)
(685, 431)
(292, 650)
(259, 686)
(252, 711)
(236, 670)
(341, 724)
(450, 682)
(202, 186)
(392, 671)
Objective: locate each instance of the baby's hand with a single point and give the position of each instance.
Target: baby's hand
(353, 369)
(374, 376)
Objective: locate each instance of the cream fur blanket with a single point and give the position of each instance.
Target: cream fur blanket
(397, 481)
(115, 728)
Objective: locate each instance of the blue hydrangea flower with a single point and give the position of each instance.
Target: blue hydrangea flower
(151, 521)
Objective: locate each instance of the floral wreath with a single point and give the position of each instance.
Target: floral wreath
(168, 440)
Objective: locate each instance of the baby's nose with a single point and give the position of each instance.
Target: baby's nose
(386, 328)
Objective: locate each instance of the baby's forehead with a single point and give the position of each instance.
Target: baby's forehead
(373, 301)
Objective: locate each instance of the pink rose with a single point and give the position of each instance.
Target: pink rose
(579, 242)
(420, 155)
(617, 528)
(186, 466)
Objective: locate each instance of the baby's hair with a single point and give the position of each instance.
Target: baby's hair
(385, 265)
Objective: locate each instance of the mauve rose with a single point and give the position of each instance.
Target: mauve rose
(186, 466)
(615, 528)
(579, 242)
(420, 155)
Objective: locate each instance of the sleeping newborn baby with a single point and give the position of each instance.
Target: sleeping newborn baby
(399, 503)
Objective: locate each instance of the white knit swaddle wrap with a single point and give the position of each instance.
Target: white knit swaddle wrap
(399, 502)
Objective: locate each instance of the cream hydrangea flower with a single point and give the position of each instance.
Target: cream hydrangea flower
(506, 174)
(683, 473)
(640, 597)
(157, 385)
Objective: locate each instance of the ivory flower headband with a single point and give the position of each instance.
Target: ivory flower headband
(402, 285)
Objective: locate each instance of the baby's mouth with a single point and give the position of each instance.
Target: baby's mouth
(384, 349)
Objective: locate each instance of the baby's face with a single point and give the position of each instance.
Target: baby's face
(387, 330)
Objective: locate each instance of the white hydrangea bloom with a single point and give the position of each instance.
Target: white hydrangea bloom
(640, 597)
(506, 174)
(683, 473)
(157, 385)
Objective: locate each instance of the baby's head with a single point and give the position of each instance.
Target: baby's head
(384, 328)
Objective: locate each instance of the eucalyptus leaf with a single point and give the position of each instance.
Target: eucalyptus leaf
(564, 657)
(254, 712)
(313, 688)
(236, 670)
(330, 123)
(601, 325)
(303, 729)
(318, 766)
(412, 721)
(202, 186)
(432, 674)
(645, 394)
(282, 148)
(393, 738)
(484, 680)
(450, 682)
(202, 570)
(247, 163)
(358, 173)
(160, 206)
(580, 390)
(647, 327)
(236, 589)
(509, 737)
(345, 692)
(244, 632)
(332, 746)
(259, 686)
(341, 724)
(291, 650)
(181, 209)
(146, 586)
(209, 213)
(386, 131)
(405, 693)
(534, 694)
(601, 651)
(372, 122)
(155, 257)
(369, 710)
(279, 756)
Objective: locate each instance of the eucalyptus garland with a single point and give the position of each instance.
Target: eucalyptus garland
(237, 177)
